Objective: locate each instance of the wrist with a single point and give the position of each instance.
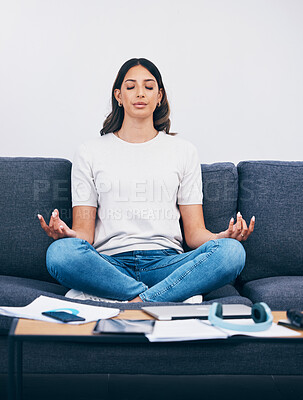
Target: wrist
(214, 236)
(84, 236)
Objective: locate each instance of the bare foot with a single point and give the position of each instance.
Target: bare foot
(136, 299)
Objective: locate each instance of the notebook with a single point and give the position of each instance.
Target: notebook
(166, 313)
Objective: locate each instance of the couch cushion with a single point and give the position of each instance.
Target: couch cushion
(38, 185)
(280, 292)
(273, 192)
(220, 194)
(225, 291)
(30, 186)
(19, 292)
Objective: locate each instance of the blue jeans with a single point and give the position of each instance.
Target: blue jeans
(155, 275)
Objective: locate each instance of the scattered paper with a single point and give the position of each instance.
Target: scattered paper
(43, 303)
(185, 329)
(275, 330)
(195, 329)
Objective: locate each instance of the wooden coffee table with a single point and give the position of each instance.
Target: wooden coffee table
(32, 330)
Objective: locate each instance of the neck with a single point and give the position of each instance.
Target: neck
(137, 131)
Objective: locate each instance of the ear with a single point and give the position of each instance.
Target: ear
(160, 94)
(117, 94)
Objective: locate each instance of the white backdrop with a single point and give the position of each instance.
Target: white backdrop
(232, 71)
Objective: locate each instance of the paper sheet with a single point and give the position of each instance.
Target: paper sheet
(195, 329)
(274, 331)
(44, 303)
(185, 329)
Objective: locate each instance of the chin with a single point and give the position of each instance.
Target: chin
(139, 114)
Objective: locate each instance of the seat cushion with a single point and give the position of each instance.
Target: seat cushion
(273, 192)
(19, 292)
(225, 291)
(280, 292)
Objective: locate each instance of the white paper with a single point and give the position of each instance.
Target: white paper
(195, 329)
(43, 303)
(185, 329)
(275, 330)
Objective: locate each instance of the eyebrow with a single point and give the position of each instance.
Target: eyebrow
(145, 80)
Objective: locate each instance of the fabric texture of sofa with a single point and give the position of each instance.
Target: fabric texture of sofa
(270, 190)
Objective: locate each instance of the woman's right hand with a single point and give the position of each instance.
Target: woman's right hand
(57, 228)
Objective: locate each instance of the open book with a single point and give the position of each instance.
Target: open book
(196, 329)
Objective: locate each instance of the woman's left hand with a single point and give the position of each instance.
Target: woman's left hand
(239, 230)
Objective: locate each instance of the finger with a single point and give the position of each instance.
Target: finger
(43, 223)
(59, 225)
(62, 229)
(244, 231)
(239, 222)
(251, 225)
(250, 229)
(56, 230)
(55, 215)
(53, 227)
(230, 228)
(54, 218)
(51, 221)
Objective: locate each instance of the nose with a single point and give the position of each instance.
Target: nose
(140, 92)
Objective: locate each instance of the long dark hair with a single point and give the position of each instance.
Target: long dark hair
(114, 120)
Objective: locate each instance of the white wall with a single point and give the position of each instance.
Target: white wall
(232, 70)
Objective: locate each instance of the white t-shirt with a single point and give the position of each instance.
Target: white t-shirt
(136, 188)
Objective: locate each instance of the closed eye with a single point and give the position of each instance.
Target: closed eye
(149, 88)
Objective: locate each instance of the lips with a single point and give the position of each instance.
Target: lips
(139, 105)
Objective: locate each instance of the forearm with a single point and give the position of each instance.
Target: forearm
(84, 218)
(200, 237)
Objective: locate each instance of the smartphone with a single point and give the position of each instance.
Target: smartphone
(134, 326)
(63, 316)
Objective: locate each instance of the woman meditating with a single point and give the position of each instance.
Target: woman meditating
(130, 186)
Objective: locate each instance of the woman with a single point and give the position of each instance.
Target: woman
(129, 188)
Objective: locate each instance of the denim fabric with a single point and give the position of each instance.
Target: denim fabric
(273, 192)
(155, 275)
(30, 186)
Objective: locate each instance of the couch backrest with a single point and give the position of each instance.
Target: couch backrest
(220, 195)
(273, 192)
(270, 190)
(38, 185)
(30, 186)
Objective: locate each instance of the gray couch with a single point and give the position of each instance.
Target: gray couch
(270, 190)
